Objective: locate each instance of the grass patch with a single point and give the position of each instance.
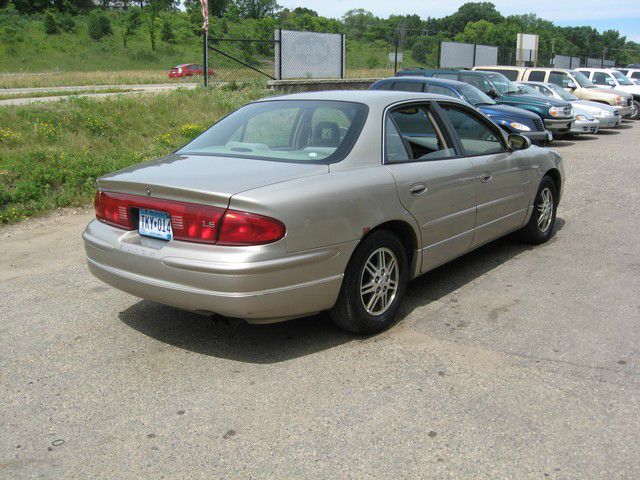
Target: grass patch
(63, 93)
(51, 154)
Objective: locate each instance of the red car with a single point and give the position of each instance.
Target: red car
(188, 70)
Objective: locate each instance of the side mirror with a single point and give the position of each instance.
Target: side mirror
(518, 142)
(492, 93)
(572, 85)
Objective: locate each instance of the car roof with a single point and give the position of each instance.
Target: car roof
(372, 98)
(416, 78)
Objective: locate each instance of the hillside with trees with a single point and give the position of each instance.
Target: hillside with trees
(77, 35)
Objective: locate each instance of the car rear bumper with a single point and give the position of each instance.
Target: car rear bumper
(261, 284)
(585, 127)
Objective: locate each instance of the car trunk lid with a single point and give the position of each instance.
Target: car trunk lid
(206, 179)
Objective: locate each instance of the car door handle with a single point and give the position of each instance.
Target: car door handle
(486, 178)
(417, 189)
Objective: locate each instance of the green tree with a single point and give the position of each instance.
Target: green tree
(255, 8)
(217, 8)
(470, 12)
(99, 25)
(166, 34)
(132, 23)
(51, 25)
(152, 11)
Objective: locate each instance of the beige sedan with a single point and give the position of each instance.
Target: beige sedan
(321, 201)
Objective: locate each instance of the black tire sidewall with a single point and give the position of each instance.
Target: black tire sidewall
(533, 233)
(358, 319)
(637, 115)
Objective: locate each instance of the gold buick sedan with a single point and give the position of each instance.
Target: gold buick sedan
(333, 201)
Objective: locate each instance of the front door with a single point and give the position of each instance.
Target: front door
(503, 176)
(434, 183)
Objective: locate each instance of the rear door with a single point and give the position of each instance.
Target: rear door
(502, 176)
(434, 182)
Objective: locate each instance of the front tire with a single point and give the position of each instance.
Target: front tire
(543, 218)
(374, 285)
(636, 113)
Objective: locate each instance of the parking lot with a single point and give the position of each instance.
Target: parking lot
(511, 362)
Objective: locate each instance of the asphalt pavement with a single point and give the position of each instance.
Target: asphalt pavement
(512, 362)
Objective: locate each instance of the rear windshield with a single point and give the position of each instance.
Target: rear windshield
(284, 130)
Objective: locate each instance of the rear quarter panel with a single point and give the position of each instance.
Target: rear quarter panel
(329, 209)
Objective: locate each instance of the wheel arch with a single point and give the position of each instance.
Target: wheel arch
(409, 239)
(556, 176)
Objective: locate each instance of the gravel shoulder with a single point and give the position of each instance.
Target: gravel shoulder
(510, 362)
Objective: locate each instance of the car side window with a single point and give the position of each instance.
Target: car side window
(442, 91)
(395, 150)
(537, 75)
(477, 81)
(543, 90)
(477, 136)
(407, 86)
(559, 78)
(601, 78)
(635, 75)
(420, 134)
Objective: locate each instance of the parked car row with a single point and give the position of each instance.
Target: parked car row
(558, 110)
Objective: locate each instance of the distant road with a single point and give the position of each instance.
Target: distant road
(127, 90)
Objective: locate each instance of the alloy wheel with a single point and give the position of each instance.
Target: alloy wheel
(379, 281)
(545, 210)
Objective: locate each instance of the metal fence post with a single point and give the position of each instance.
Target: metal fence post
(475, 51)
(205, 54)
(395, 57)
(342, 54)
(280, 53)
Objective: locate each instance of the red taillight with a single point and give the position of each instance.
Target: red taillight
(113, 208)
(242, 228)
(191, 222)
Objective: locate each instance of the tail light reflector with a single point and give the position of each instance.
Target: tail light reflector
(191, 222)
(243, 228)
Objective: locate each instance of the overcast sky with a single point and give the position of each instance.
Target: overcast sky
(622, 15)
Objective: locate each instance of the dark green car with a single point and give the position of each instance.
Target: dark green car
(557, 115)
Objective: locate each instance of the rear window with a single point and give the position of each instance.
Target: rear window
(510, 74)
(407, 86)
(537, 76)
(284, 130)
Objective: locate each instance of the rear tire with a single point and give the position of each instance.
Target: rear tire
(374, 285)
(543, 218)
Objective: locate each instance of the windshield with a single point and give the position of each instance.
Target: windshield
(474, 96)
(583, 81)
(503, 84)
(562, 93)
(284, 130)
(622, 80)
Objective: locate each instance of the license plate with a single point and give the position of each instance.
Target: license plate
(155, 224)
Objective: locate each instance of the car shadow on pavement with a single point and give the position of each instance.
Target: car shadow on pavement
(453, 275)
(264, 344)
